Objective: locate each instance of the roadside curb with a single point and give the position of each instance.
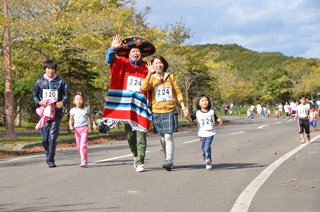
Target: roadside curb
(20, 147)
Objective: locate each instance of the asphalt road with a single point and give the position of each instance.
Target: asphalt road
(258, 165)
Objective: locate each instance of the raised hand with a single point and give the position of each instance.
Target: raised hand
(150, 69)
(116, 43)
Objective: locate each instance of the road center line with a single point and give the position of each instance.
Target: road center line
(237, 132)
(244, 200)
(191, 141)
(262, 126)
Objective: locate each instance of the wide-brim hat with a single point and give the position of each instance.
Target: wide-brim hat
(147, 47)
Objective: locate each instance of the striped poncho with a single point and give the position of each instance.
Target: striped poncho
(125, 102)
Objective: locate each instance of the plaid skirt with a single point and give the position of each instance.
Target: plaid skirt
(165, 123)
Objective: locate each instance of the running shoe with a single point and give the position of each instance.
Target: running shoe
(302, 141)
(208, 166)
(83, 165)
(140, 168)
(52, 165)
(167, 165)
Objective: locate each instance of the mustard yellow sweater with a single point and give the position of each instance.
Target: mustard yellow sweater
(151, 83)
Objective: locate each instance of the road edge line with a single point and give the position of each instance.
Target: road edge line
(244, 200)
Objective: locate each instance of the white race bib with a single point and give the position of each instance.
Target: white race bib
(163, 93)
(134, 84)
(51, 94)
(207, 123)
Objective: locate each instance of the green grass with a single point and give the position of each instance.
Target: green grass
(25, 126)
(63, 134)
(38, 138)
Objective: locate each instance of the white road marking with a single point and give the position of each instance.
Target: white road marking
(244, 200)
(262, 126)
(289, 120)
(237, 132)
(278, 122)
(9, 160)
(191, 141)
(109, 159)
(182, 132)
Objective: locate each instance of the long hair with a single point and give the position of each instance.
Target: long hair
(200, 97)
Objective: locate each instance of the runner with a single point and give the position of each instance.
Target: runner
(252, 111)
(280, 109)
(286, 110)
(126, 101)
(293, 106)
(302, 114)
(313, 117)
(163, 86)
(259, 110)
(206, 118)
(49, 90)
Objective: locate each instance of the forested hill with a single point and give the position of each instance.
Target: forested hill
(246, 61)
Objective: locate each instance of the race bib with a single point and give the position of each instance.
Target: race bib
(163, 93)
(51, 94)
(207, 123)
(134, 84)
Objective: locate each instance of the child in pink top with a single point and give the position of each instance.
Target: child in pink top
(313, 117)
(79, 114)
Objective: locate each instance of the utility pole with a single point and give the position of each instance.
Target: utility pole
(9, 101)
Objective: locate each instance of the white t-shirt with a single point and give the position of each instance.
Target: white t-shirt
(205, 122)
(293, 106)
(280, 107)
(80, 116)
(259, 108)
(286, 108)
(303, 111)
(252, 107)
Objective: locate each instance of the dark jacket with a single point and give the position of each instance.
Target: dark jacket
(56, 83)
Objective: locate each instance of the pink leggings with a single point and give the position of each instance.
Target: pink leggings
(81, 134)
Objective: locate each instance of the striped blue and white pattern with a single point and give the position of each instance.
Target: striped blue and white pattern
(128, 100)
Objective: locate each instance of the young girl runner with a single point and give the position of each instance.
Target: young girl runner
(269, 112)
(313, 117)
(302, 113)
(79, 114)
(206, 118)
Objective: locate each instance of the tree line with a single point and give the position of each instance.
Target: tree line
(77, 33)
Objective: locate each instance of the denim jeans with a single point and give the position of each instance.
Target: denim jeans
(206, 148)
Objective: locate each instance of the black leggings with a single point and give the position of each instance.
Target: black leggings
(304, 123)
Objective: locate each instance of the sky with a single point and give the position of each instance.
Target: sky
(291, 27)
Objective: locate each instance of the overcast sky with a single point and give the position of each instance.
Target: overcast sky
(291, 27)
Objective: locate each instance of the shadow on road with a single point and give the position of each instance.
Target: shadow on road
(45, 207)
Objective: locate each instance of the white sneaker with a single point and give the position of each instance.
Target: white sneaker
(83, 165)
(208, 167)
(134, 162)
(140, 168)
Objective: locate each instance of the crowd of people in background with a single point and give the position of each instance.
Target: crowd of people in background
(282, 110)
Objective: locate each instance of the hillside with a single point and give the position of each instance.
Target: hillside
(246, 61)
